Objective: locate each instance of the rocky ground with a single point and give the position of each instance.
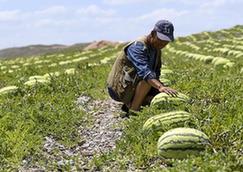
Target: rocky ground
(103, 128)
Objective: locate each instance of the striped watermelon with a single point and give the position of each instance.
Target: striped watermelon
(70, 71)
(49, 75)
(38, 81)
(167, 120)
(220, 61)
(162, 98)
(208, 59)
(38, 77)
(229, 65)
(9, 89)
(181, 142)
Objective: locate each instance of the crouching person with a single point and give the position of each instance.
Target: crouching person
(134, 78)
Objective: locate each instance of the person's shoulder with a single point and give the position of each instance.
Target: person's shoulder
(138, 44)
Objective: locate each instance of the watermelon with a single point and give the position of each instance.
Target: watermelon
(37, 81)
(168, 120)
(93, 64)
(163, 98)
(80, 59)
(219, 61)
(105, 60)
(208, 59)
(38, 77)
(52, 65)
(70, 71)
(65, 62)
(51, 74)
(179, 143)
(229, 65)
(15, 67)
(3, 67)
(9, 89)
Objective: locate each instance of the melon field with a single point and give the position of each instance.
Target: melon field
(56, 115)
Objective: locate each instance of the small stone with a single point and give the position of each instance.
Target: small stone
(87, 153)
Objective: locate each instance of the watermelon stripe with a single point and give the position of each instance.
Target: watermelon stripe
(169, 119)
(169, 115)
(176, 117)
(181, 142)
(179, 121)
(184, 134)
(194, 142)
(182, 149)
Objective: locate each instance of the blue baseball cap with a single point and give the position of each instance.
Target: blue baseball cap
(165, 30)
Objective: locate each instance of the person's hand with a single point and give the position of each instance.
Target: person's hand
(168, 91)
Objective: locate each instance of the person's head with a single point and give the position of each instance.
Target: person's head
(161, 34)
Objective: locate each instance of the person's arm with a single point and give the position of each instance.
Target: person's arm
(160, 86)
(136, 53)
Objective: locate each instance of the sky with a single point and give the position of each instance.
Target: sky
(26, 22)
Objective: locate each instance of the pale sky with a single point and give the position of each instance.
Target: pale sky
(25, 22)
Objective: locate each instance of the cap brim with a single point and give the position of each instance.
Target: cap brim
(164, 37)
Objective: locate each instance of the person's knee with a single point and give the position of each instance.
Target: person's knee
(144, 84)
(113, 94)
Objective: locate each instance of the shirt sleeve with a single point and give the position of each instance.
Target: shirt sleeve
(137, 54)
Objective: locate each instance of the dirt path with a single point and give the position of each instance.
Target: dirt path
(103, 127)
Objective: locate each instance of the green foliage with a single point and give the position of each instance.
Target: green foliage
(216, 105)
(30, 114)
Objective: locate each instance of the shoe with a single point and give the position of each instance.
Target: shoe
(124, 108)
(128, 114)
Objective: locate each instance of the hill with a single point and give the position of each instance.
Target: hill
(100, 44)
(34, 50)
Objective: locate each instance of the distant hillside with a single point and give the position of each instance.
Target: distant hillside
(33, 50)
(39, 50)
(100, 44)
